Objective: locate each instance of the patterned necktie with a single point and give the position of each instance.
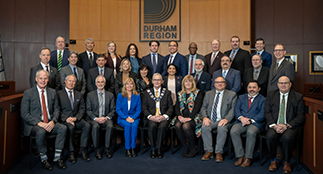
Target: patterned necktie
(196, 78)
(191, 67)
(154, 64)
(170, 60)
(101, 104)
(71, 98)
(223, 74)
(213, 58)
(75, 72)
(47, 68)
(214, 110)
(101, 71)
(43, 103)
(59, 63)
(276, 67)
(249, 103)
(282, 111)
(232, 54)
(157, 109)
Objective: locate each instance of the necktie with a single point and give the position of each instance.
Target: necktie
(59, 63)
(232, 54)
(157, 108)
(91, 61)
(258, 53)
(276, 67)
(43, 103)
(191, 67)
(47, 68)
(212, 59)
(71, 99)
(196, 78)
(249, 102)
(101, 71)
(255, 75)
(214, 110)
(223, 74)
(75, 72)
(282, 111)
(101, 104)
(154, 64)
(170, 60)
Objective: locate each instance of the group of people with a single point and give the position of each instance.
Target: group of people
(233, 92)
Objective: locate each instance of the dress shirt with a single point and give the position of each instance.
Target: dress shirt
(88, 55)
(158, 104)
(58, 55)
(77, 73)
(68, 93)
(280, 101)
(226, 72)
(129, 103)
(189, 63)
(152, 58)
(280, 62)
(254, 71)
(171, 58)
(218, 108)
(100, 71)
(235, 53)
(215, 54)
(44, 66)
(45, 94)
(260, 52)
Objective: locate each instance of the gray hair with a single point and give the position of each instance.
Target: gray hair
(216, 40)
(157, 74)
(201, 61)
(41, 71)
(89, 39)
(59, 37)
(43, 48)
(70, 75)
(72, 52)
(96, 79)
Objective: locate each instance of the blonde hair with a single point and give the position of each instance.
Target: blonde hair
(124, 91)
(189, 78)
(121, 64)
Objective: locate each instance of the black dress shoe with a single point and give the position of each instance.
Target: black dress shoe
(60, 164)
(45, 165)
(71, 158)
(83, 155)
(108, 153)
(133, 153)
(128, 153)
(185, 152)
(97, 154)
(160, 153)
(153, 153)
(192, 154)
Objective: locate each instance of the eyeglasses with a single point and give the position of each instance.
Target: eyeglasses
(283, 83)
(279, 50)
(172, 45)
(217, 82)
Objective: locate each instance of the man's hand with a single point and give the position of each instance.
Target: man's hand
(153, 118)
(47, 126)
(223, 122)
(206, 121)
(160, 118)
(71, 120)
(101, 120)
(245, 121)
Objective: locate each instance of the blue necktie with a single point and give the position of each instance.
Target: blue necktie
(223, 74)
(154, 64)
(71, 99)
(214, 110)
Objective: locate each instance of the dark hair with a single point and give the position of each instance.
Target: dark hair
(141, 67)
(154, 41)
(263, 41)
(128, 50)
(172, 65)
(173, 41)
(43, 48)
(254, 81)
(235, 37)
(101, 55)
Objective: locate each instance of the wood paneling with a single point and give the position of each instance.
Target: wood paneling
(313, 22)
(7, 21)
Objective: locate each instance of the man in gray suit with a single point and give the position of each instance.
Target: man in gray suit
(100, 109)
(282, 67)
(192, 57)
(217, 112)
(78, 72)
(40, 111)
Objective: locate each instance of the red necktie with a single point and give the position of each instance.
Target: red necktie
(191, 67)
(196, 78)
(249, 102)
(43, 103)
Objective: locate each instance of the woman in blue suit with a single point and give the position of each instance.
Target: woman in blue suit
(128, 108)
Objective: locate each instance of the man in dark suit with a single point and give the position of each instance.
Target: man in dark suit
(213, 59)
(44, 56)
(156, 63)
(72, 116)
(265, 56)
(231, 76)
(157, 109)
(87, 59)
(282, 67)
(192, 57)
(284, 113)
(107, 73)
(202, 79)
(257, 72)
(78, 72)
(100, 109)
(177, 59)
(250, 119)
(40, 112)
(58, 58)
(241, 59)
(216, 112)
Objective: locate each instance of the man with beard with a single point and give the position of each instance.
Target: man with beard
(202, 79)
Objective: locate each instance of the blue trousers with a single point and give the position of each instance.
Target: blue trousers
(130, 132)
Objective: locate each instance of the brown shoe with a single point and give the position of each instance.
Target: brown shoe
(239, 161)
(207, 156)
(218, 157)
(246, 162)
(273, 166)
(287, 168)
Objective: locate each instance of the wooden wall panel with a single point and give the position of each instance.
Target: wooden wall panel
(7, 20)
(313, 22)
(264, 22)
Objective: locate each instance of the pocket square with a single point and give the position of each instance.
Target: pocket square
(203, 82)
(78, 100)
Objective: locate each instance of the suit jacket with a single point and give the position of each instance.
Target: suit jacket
(92, 105)
(204, 83)
(285, 69)
(122, 107)
(110, 64)
(266, 58)
(262, 79)
(85, 63)
(53, 58)
(295, 115)
(149, 105)
(198, 56)
(241, 61)
(181, 64)
(119, 81)
(67, 111)
(178, 81)
(31, 109)
(108, 74)
(80, 84)
(229, 100)
(161, 64)
(232, 79)
(54, 80)
(216, 63)
(256, 111)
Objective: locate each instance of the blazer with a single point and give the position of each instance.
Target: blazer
(241, 61)
(229, 100)
(149, 105)
(161, 64)
(119, 81)
(285, 69)
(256, 111)
(108, 75)
(295, 115)
(80, 84)
(181, 64)
(85, 63)
(232, 79)
(216, 63)
(122, 107)
(110, 64)
(31, 109)
(204, 83)
(266, 58)
(92, 105)
(198, 56)
(262, 79)
(178, 81)
(54, 80)
(141, 85)
(53, 58)
(67, 111)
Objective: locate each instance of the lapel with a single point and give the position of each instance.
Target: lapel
(279, 68)
(36, 93)
(211, 99)
(49, 96)
(106, 101)
(261, 73)
(228, 73)
(200, 78)
(224, 98)
(289, 103)
(276, 99)
(66, 95)
(253, 103)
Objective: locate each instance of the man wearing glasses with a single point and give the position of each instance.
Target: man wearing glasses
(282, 67)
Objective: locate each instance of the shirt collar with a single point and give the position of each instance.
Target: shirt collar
(260, 52)
(252, 96)
(68, 91)
(286, 94)
(39, 90)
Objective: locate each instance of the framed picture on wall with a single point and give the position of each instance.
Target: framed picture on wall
(292, 58)
(316, 62)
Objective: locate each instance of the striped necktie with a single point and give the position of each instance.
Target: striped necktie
(59, 63)
(215, 107)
